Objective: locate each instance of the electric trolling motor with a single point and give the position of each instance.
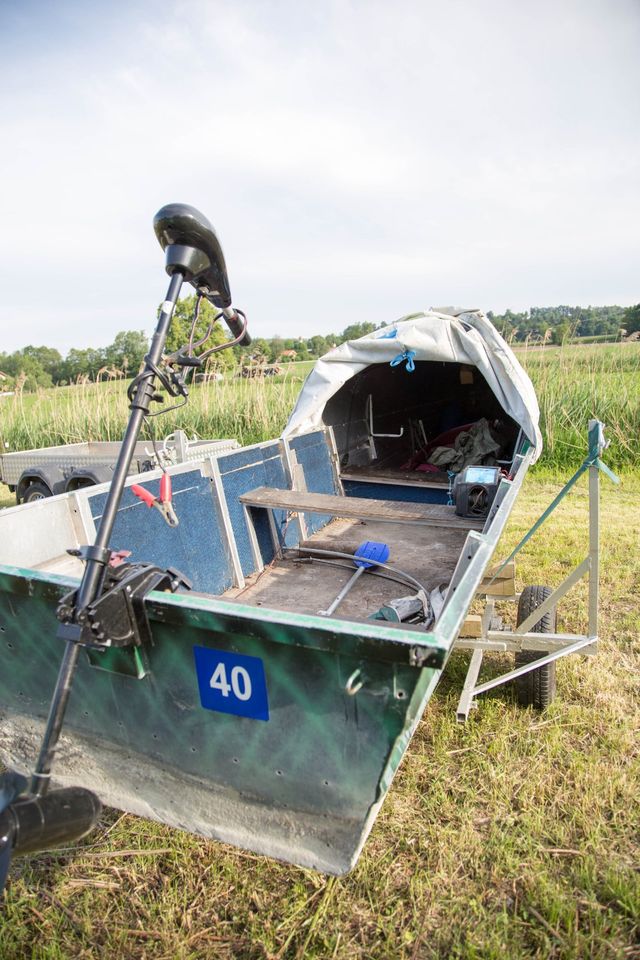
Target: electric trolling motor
(107, 609)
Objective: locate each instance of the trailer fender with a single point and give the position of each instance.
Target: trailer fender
(45, 483)
(88, 477)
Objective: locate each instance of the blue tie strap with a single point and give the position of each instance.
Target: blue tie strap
(408, 355)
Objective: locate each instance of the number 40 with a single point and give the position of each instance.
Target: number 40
(240, 682)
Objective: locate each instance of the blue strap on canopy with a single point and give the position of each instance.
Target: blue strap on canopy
(408, 355)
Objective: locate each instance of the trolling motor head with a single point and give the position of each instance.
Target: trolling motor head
(192, 247)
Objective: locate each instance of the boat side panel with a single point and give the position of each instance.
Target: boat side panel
(313, 453)
(299, 786)
(393, 491)
(241, 472)
(195, 546)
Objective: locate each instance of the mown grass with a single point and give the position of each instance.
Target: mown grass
(513, 836)
(573, 383)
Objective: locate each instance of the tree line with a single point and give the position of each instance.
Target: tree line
(564, 322)
(34, 367)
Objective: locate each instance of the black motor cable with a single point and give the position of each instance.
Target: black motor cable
(349, 567)
(409, 580)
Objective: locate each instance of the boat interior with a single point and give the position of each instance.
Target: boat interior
(386, 422)
(276, 524)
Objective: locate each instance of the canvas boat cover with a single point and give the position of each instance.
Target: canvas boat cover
(443, 333)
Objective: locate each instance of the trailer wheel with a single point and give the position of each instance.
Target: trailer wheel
(36, 491)
(538, 687)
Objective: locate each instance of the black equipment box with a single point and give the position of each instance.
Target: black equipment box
(474, 490)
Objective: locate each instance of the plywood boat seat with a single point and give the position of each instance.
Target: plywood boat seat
(358, 508)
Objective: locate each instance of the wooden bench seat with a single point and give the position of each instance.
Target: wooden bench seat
(358, 508)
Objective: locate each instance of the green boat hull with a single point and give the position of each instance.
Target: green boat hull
(303, 787)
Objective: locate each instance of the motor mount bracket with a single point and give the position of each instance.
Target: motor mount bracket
(117, 617)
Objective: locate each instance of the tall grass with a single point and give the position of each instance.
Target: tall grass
(248, 410)
(576, 383)
(573, 383)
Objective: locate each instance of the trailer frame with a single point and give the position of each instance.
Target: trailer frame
(494, 638)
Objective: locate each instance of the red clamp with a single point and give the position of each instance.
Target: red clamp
(163, 503)
(118, 557)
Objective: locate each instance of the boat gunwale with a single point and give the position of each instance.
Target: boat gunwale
(476, 554)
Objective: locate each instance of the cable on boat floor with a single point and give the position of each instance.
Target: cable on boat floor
(427, 553)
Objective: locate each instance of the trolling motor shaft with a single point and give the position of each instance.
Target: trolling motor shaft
(98, 556)
(96, 614)
(193, 253)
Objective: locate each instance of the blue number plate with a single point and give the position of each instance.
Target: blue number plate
(231, 683)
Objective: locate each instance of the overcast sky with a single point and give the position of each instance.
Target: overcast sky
(359, 160)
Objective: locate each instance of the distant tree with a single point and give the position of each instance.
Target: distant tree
(561, 332)
(83, 363)
(181, 326)
(631, 319)
(356, 330)
(260, 345)
(501, 323)
(583, 321)
(317, 346)
(22, 366)
(276, 347)
(127, 351)
(36, 367)
(301, 349)
(49, 359)
(6, 380)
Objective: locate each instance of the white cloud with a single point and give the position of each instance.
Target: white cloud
(355, 153)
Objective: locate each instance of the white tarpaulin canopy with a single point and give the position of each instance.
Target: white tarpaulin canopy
(442, 334)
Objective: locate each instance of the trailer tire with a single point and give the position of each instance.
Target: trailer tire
(538, 687)
(36, 491)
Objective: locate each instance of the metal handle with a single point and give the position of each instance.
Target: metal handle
(345, 590)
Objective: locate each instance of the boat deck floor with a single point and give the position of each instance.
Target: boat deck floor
(429, 554)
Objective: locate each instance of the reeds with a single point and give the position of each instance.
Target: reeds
(573, 384)
(577, 383)
(248, 410)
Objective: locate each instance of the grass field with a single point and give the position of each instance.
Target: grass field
(513, 836)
